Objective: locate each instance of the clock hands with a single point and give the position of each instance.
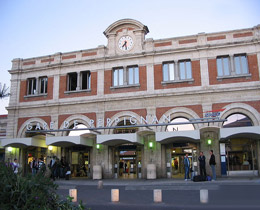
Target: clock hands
(125, 45)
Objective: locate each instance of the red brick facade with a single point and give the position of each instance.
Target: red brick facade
(109, 80)
(140, 112)
(158, 77)
(187, 41)
(252, 66)
(47, 119)
(23, 92)
(196, 108)
(162, 44)
(255, 104)
(213, 38)
(62, 118)
(239, 35)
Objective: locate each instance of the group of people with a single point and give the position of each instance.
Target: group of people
(124, 167)
(37, 165)
(59, 168)
(202, 161)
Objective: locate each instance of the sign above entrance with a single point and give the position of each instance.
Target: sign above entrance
(148, 121)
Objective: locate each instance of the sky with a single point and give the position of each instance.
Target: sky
(30, 28)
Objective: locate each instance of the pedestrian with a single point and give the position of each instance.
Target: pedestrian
(41, 165)
(202, 161)
(53, 168)
(176, 164)
(187, 167)
(212, 163)
(34, 166)
(15, 166)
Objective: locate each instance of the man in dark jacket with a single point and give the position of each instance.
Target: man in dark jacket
(202, 161)
(212, 163)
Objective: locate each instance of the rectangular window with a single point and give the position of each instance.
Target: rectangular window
(43, 83)
(85, 80)
(241, 65)
(223, 66)
(185, 70)
(168, 71)
(31, 86)
(133, 75)
(72, 81)
(118, 77)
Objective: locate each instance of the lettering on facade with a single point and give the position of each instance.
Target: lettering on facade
(103, 123)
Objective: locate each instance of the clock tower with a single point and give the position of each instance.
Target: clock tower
(125, 36)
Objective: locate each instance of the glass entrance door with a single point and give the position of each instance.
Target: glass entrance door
(127, 160)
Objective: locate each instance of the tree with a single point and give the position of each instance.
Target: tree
(4, 91)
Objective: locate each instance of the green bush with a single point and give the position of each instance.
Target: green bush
(30, 192)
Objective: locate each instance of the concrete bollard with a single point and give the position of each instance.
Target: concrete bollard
(100, 185)
(97, 172)
(157, 196)
(204, 196)
(151, 171)
(114, 195)
(73, 194)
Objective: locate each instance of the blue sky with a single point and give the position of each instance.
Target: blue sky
(31, 28)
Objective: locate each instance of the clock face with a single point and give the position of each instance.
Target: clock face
(125, 43)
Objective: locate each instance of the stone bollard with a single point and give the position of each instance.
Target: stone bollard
(73, 194)
(151, 171)
(157, 196)
(97, 172)
(204, 196)
(114, 195)
(100, 185)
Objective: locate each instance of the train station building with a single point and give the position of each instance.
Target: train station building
(134, 107)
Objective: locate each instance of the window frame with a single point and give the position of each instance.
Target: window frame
(222, 57)
(45, 86)
(185, 68)
(32, 89)
(136, 77)
(168, 63)
(241, 64)
(88, 80)
(69, 89)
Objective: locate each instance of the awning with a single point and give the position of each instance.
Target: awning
(66, 141)
(180, 136)
(116, 139)
(35, 141)
(251, 132)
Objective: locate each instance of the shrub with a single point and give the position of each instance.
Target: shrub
(30, 192)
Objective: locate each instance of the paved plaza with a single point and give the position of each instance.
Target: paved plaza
(225, 193)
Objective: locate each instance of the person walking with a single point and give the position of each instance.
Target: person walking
(34, 166)
(187, 167)
(15, 166)
(202, 161)
(212, 163)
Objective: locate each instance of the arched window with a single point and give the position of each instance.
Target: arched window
(237, 120)
(78, 132)
(125, 130)
(181, 127)
(35, 133)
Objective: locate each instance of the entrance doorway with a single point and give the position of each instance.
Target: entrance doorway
(38, 153)
(80, 161)
(128, 161)
(178, 153)
(241, 157)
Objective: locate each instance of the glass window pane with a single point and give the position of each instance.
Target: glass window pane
(237, 65)
(121, 77)
(165, 72)
(46, 84)
(244, 65)
(182, 70)
(226, 66)
(188, 70)
(171, 71)
(115, 78)
(219, 67)
(130, 76)
(136, 75)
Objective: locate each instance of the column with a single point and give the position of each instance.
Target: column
(232, 65)
(176, 70)
(78, 81)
